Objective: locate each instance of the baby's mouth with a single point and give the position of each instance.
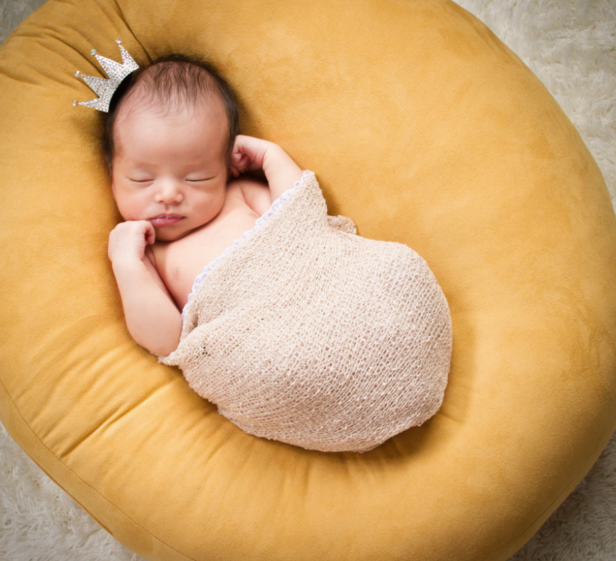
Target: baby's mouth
(165, 219)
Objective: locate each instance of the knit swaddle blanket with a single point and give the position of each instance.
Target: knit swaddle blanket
(307, 333)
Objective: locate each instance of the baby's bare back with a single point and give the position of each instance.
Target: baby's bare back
(179, 262)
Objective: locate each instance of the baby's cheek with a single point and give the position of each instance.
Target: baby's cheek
(131, 207)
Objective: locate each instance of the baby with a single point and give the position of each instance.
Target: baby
(304, 332)
(172, 146)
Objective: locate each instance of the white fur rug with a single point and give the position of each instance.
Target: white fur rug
(571, 46)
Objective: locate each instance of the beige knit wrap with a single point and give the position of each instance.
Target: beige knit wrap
(307, 333)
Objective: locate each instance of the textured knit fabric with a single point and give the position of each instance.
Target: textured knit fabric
(307, 333)
(275, 206)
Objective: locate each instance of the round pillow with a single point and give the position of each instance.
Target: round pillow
(424, 129)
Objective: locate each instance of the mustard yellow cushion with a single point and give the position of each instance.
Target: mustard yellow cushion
(424, 129)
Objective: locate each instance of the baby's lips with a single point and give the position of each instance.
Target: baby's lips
(166, 219)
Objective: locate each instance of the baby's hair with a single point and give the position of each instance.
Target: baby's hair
(179, 80)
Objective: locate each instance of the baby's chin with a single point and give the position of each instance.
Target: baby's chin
(166, 234)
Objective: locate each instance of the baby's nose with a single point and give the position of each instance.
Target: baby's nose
(169, 193)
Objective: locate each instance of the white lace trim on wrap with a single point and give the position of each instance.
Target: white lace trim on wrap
(271, 210)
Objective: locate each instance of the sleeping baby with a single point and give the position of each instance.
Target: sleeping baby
(171, 154)
(298, 329)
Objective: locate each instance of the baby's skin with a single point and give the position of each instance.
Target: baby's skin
(181, 209)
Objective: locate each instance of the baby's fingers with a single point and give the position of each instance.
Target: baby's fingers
(239, 161)
(150, 233)
(251, 151)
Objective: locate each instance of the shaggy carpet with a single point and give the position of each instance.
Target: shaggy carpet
(571, 46)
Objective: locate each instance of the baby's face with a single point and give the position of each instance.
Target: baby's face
(170, 170)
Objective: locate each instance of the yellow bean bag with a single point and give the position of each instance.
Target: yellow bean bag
(424, 129)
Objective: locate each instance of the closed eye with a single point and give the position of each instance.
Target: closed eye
(196, 180)
(139, 180)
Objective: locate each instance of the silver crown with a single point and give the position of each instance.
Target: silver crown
(106, 87)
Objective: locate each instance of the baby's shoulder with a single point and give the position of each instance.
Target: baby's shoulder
(235, 190)
(254, 192)
(246, 183)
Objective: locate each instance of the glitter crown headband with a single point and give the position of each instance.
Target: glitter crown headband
(106, 87)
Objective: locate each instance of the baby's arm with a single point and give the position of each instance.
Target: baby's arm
(152, 317)
(250, 153)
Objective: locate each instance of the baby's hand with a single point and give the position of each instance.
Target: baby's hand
(128, 239)
(250, 153)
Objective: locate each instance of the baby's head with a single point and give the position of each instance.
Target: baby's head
(170, 132)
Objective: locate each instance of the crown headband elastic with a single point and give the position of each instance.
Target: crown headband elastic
(106, 87)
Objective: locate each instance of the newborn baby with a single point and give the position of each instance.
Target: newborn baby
(171, 153)
(298, 329)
